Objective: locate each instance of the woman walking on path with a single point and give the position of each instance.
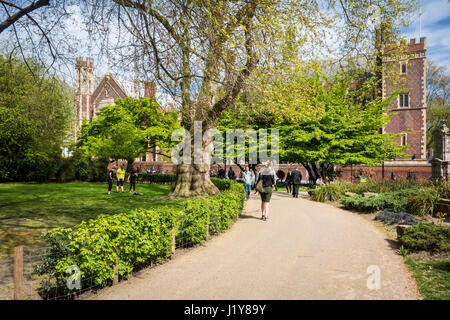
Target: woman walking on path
(248, 179)
(268, 180)
(120, 177)
(132, 179)
(110, 179)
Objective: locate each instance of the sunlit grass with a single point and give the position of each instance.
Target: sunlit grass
(27, 210)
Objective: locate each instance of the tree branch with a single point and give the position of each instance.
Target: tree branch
(22, 12)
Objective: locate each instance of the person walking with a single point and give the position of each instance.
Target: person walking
(248, 179)
(288, 182)
(120, 174)
(296, 178)
(231, 174)
(110, 179)
(267, 178)
(132, 180)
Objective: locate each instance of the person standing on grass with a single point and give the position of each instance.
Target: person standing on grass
(296, 178)
(110, 179)
(248, 179)
(120, 174)
(132, 179)
(268, 181)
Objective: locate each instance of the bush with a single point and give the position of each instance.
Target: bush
(160, 178)
(391, 201)
(133, 240)
(426, 236)
(330, 192)
(422, 202)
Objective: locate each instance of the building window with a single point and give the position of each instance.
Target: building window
(403, 68)
(404, 140)
(403, 101)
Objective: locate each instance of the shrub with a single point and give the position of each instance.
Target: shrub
(391, 201)
(422, 202)
(131, 240)
(159, 178)
(330, 192)
(426, 236)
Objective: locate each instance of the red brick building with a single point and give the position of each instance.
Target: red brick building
(410, 104)
(92, 96)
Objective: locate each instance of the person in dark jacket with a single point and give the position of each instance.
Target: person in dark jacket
(296, 178)
(222, 173)
(268, 181)
(288, 182)
(132, 178)
(231, 174)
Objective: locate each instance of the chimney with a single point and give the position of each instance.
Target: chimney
(150, 89)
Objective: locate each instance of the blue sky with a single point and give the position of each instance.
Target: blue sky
(436, 28)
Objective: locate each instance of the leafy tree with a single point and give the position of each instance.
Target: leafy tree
(128, 130)
(343, 127)
(36, 117)
(205, 51)
(438, 101)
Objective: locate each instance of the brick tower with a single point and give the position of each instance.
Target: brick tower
(84, 89)
(410, 104)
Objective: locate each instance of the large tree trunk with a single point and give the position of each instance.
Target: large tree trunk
(194, 179)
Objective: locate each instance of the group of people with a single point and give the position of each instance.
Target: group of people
(118, 174)
(222, 174)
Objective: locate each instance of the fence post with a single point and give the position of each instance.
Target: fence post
(173, 240)
(207, 229)
(18, 272)
(116, 274)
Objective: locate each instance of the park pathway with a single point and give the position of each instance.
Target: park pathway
(306, 250)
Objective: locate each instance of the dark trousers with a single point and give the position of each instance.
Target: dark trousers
(288, 187)
(295, 190)
(133, 185)
(110, 185)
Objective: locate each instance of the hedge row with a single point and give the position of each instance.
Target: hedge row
(132, 240)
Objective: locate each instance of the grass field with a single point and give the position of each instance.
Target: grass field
(27, 210)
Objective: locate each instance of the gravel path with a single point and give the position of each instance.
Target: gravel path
(306, 250)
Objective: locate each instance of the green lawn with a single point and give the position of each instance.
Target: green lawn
(26, 210)
(432, 277)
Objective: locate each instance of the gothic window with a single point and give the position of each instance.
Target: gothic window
(404, 140)
(403, 68)
(403, 100)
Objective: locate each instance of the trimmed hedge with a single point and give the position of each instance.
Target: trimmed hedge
(160, 178)
(132, 240)
(426, 236)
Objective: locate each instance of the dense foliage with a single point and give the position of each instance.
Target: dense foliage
(128, 130)
(36, 113)
(426, 236)
(133, 240)
(391, 201)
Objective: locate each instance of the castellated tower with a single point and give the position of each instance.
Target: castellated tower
(409, 106)
(84, 89)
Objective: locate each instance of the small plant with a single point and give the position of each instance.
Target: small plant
(403, 251)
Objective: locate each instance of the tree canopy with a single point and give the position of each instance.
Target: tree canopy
(36, 119)
(128, 130)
